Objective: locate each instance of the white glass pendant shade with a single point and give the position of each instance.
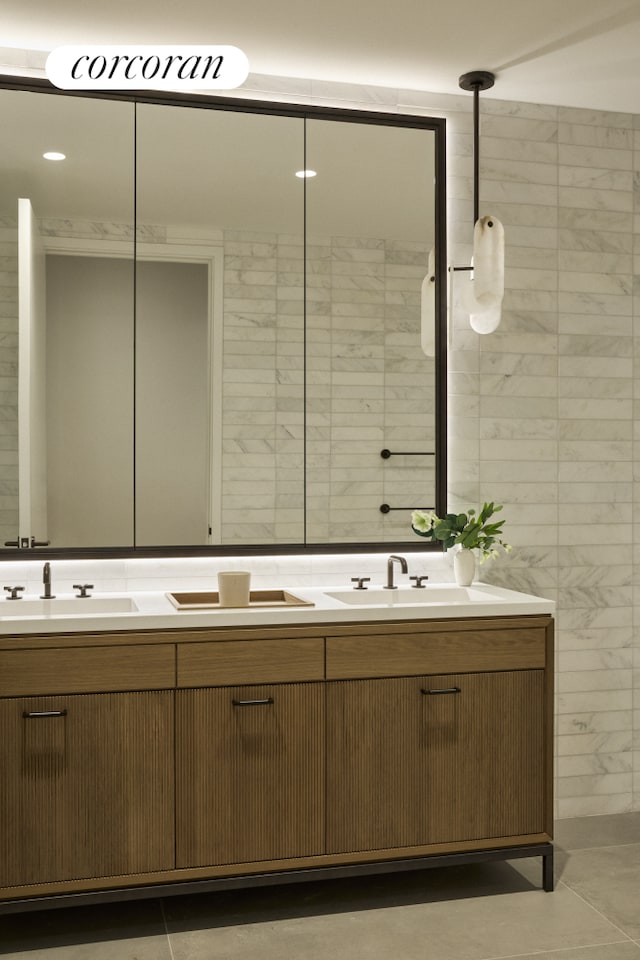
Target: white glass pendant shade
(482, 293)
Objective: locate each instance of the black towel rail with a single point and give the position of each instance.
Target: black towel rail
(385, 508)
(385, 454)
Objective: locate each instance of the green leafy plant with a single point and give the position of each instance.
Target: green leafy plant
(469, 529)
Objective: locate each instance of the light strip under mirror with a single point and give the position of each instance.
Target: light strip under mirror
(276, 318)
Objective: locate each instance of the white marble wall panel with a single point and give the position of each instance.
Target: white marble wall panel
(595, 347)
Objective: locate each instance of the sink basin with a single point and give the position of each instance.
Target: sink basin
(66, 607)
(413, 595)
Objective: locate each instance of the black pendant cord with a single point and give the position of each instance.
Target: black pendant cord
(476, 154)
(476, 81)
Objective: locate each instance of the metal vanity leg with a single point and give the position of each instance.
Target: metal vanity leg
(547, 871)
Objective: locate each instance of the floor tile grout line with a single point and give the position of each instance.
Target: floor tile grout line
(599, 912)
(600, 846)
(582, 946)
(559, 950)
(166, 929)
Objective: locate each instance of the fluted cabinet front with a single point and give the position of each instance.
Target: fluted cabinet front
(87, 786)
(438, 759)
(250, 770)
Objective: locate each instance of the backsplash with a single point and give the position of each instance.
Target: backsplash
(200, 573)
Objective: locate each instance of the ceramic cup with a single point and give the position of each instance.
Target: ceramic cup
(233, 588)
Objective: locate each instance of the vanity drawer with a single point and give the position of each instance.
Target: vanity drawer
(230, 662)
(94, 670)
(469, 651)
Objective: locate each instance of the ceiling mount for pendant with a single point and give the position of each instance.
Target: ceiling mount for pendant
(477, 80)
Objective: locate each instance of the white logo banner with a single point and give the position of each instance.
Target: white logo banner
(130, 67)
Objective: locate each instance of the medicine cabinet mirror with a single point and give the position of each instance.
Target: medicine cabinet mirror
(211, 320)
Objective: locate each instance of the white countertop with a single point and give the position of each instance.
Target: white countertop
(155, 611)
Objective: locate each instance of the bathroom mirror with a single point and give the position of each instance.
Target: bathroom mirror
(217, 350)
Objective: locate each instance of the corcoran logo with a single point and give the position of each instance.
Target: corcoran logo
(139, 67)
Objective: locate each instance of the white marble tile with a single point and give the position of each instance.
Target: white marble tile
(611, 137)
(519, 128)
(592, 806)
(595, 764)
(595, 785)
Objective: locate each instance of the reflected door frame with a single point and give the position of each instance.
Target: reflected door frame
(209, 253)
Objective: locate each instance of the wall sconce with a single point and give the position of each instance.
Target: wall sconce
(483, 290)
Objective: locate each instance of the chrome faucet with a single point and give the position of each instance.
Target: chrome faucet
(389, 585)
(46, 580)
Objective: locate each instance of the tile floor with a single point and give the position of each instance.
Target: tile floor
(478, 912)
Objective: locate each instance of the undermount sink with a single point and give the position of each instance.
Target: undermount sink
(413, 595)
(66, 607)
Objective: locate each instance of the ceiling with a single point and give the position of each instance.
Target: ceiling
(582, 53)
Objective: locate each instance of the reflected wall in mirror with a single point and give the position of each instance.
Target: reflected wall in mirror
(70, 403)
(370, 218)
(239, 212)
(219, 363)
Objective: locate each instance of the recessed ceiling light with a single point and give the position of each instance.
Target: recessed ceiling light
(303, 174)
(54, 155)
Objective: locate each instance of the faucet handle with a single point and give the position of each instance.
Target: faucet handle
(418, 581)
(360, 581)
(14, 593)
(83, 587)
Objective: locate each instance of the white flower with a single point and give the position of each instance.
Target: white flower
(422, 521)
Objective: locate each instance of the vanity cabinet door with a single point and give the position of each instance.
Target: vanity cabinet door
(87, 786)
(250, 768)
(427, 760)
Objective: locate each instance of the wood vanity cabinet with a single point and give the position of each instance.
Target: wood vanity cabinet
(152, 763)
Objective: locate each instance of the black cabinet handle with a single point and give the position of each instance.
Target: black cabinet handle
(433, 693)
(40, 714)
(252, 703)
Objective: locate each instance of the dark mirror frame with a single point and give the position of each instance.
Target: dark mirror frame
(438, 127)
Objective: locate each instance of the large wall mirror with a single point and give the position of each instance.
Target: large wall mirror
(203, 349)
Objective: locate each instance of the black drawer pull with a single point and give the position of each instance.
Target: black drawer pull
(432, 693)
(40, 714)
(252, 703)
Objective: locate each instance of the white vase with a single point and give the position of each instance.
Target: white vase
(464, 567)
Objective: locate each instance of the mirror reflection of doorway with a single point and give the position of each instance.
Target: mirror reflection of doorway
(91, 380)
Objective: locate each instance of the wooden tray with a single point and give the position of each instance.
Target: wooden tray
(209, 600)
